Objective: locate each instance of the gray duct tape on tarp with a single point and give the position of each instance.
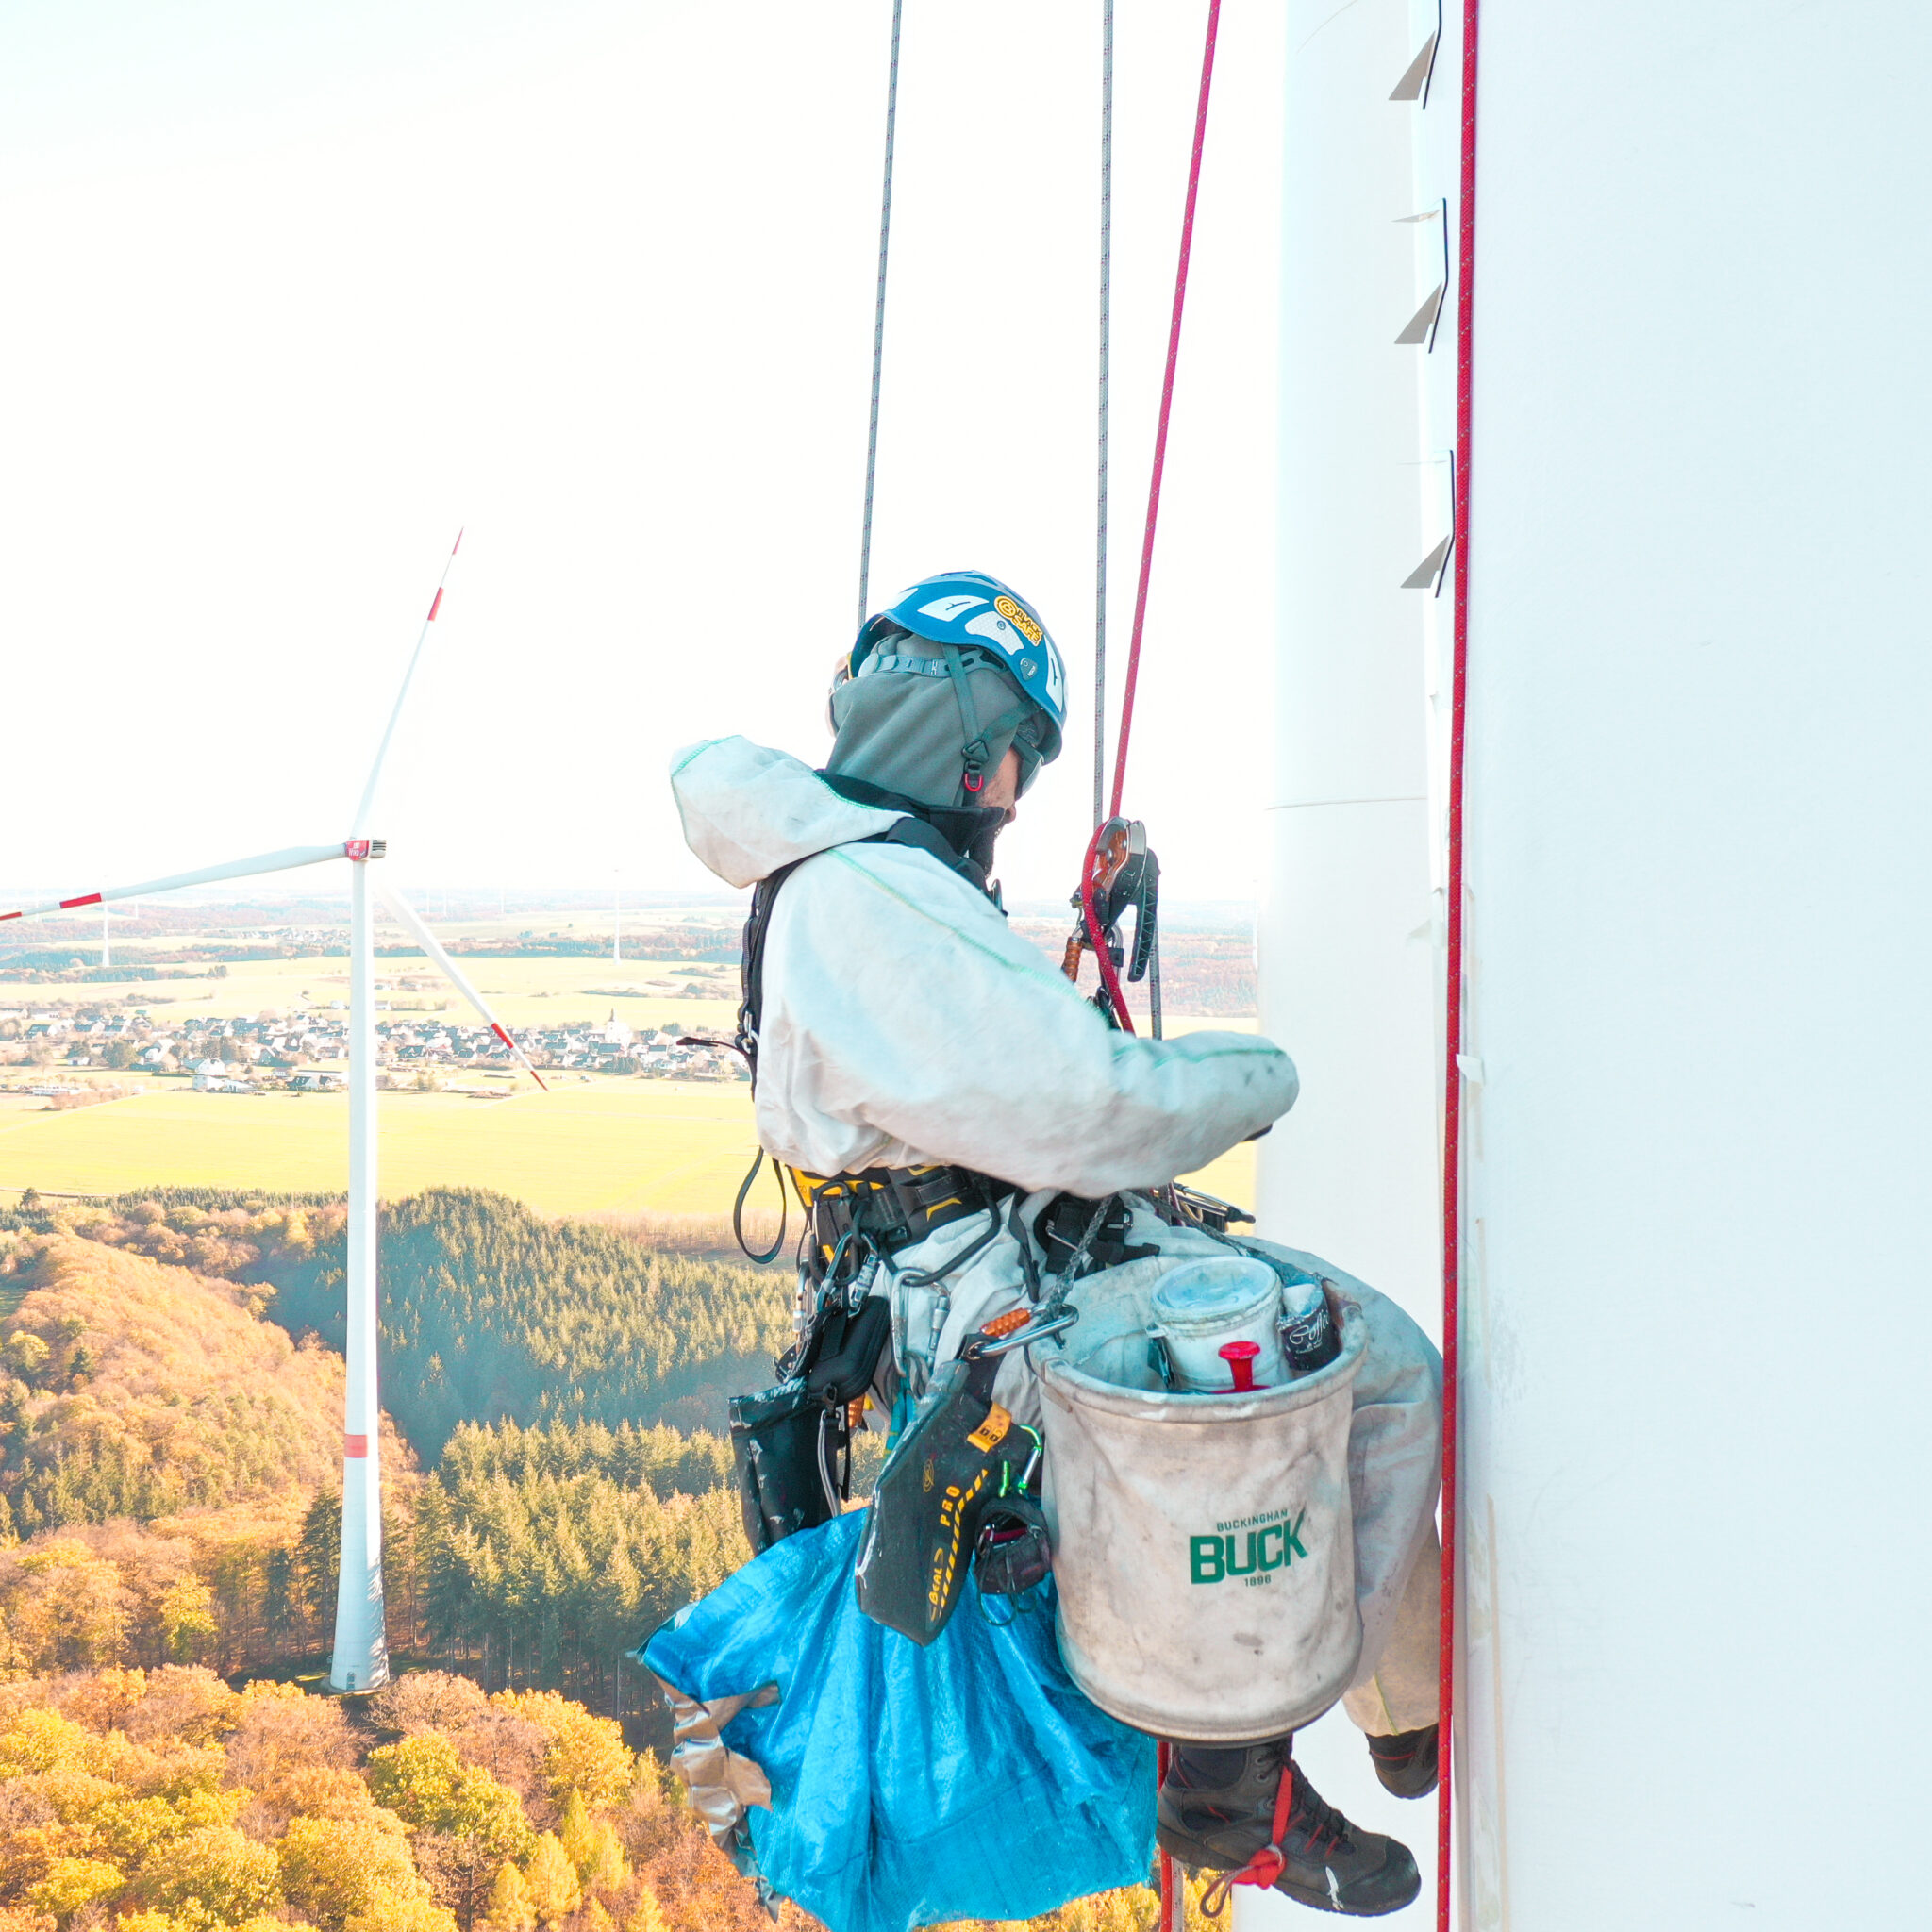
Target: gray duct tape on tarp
(724, 1784)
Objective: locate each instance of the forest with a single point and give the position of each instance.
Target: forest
(169, 1514)
(488, 1310)
(159, 1415)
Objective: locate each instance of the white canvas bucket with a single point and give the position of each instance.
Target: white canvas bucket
(1204, 1545)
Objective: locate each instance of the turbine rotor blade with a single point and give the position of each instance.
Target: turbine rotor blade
(360, 823)
(236, 869)
(393, 899)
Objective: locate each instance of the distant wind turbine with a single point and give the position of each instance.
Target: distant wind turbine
(360, 1658)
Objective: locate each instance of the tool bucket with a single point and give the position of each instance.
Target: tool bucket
(1204, 1545)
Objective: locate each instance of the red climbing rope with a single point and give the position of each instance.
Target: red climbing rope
(1452, 1072)
(1109, 977)
(1174, 350)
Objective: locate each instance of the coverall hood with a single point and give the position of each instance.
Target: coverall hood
(748, 810)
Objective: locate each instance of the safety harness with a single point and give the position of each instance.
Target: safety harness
(791, 1444)
(961, 837)
(916, 826)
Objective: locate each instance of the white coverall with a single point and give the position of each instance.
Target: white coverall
(904, 1023)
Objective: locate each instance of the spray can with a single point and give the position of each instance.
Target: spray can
(1309, 1338)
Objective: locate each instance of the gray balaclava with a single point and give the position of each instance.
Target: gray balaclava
(898, 723)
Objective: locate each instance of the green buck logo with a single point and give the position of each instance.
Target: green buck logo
(1270, 1546)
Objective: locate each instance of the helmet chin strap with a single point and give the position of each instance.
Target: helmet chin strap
(973, 752)
(976, 752)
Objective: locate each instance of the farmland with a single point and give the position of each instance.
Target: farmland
(628, 1146)
(593, 1144)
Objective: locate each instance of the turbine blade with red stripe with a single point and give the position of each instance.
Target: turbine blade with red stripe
(236, 869)
(367, 804)
(454, 973)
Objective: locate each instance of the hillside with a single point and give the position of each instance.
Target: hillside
(138, 1390)
(490, 1312)
(178, 1805)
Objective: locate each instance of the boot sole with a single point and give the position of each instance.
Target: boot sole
(1190, 1851)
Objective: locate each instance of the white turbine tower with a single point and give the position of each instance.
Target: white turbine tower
(360, 1657)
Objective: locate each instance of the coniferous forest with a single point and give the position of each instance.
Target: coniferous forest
(556, 1484)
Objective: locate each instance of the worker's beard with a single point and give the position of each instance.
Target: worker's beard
(970, 829)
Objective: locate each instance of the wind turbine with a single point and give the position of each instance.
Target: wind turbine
(359, 1661)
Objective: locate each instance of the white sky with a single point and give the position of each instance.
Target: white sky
(294, 291)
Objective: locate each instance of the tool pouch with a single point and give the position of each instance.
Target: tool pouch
(790, 1444)
(779, 1451)
(962, 1461)
(846, 1350)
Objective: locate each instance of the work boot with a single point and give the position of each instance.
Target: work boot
(1406, 1761)
(1217, 1812)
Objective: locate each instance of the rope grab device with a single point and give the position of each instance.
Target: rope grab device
(1119, 870)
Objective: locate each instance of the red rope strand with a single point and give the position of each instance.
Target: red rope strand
(1170, 1891)
(1174, 350)
(1110, 978)
(1452, 1075)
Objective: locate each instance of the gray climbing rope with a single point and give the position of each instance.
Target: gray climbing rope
(878, 323)
(1101, 453)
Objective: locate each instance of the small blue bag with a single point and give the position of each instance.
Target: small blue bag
(967, 1779)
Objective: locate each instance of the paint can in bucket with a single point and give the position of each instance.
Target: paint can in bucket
(1203, 1307)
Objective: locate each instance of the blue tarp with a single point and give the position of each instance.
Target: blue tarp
(966, 1780)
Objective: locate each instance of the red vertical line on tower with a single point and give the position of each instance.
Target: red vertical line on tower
(1452, 1072)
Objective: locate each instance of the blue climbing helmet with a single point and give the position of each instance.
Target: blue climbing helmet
(977, 621)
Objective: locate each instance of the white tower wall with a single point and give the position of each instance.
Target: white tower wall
(360, 1657)
(1699, 795)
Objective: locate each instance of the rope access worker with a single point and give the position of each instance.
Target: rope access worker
(959, 1107)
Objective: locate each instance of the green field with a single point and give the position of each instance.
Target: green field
(661, 1145)
(628, 1146)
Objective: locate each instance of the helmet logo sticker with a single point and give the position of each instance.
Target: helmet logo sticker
(1016, 615)
(947, 609)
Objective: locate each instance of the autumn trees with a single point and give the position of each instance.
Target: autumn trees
(169, 1802)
